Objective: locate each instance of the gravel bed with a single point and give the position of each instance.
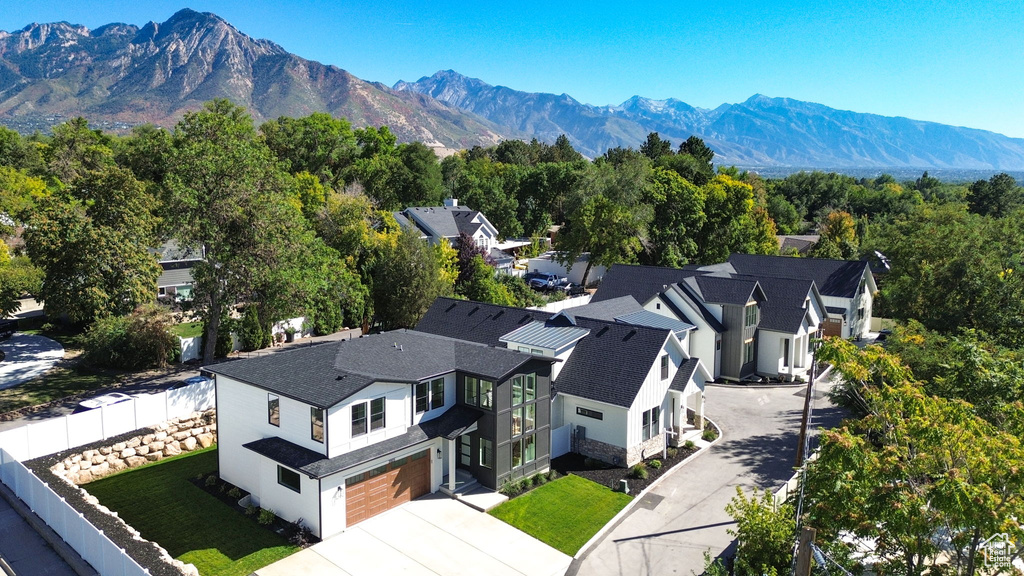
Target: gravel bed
(146, 553)
(608, 475)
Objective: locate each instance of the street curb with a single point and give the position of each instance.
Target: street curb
(636, 499)
(62, 548)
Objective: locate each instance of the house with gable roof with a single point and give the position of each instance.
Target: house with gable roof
(451, 220)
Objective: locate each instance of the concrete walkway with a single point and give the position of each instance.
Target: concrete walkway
(668, 532)
(24, 549)
(432, 536)
(27, 358)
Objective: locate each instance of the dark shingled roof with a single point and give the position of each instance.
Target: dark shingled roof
(640, 282)
(724, 289)
(321, 384)
(449, 425)
(444, 221)
(335, 371)
(705, 314)
(784, 309)
(683, 375)
(608, 365)
(839, 278)
(607, 309)
(475, 321)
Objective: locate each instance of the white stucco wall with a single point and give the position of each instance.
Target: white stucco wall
(284, 501)
(398, 415)
(612, 429)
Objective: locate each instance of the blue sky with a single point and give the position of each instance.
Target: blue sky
(956, 62)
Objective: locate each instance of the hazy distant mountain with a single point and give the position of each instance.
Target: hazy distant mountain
(119, 74)
(760, 131)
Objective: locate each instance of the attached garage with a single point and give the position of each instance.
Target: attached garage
(832, 327)
(386, 486)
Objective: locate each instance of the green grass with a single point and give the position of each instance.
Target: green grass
(564, 513)
(57, 383)
(188, 329)
(159, 501)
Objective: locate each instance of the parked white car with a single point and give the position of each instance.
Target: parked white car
(101, 401)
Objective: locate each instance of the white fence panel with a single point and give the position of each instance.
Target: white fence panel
(563, 304)
(150, 408)
(560, 440)
(48, 436)
(191, 348)
(118, 419)
(194, 398)
(85, 427)
(15, 441)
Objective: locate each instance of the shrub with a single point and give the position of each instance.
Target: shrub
(251, 332)
(638, 471)
(235, 492)
(266, 517)
(251, 509)
(689, 445)
(223, 346)
(539, 479)
(656, 464)
(211, 480)
(709, 434)
(301, 536)
(672, 451)
(142, 339)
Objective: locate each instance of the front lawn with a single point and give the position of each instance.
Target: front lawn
(159, 501)
(188, 329)
(58, 382)
(563, 514)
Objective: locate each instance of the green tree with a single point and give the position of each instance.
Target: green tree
(728, 225)
(406, 280)
(678, 208)
(838, 237)
(695, 147)
(784, 214)
(481, 285)
(142, 339)
(654, 147)
(92, 242)
(224, 195)
(764, 533)
(252, 332)
(318, 144)
(998, 196)
(18, 277)
(75, 150)
(145, 152)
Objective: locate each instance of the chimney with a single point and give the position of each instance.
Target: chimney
(451, 202)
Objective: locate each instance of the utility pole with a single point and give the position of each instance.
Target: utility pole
(803, 553)
(807, 409)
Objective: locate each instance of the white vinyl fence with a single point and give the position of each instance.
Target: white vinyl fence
(563, 304)
(66, 432)
(106, 557)
(561, 440)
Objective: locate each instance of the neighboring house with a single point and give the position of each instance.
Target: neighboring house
(797, 244)
(449, 221)
(627, 382)
(847, 287)
(746, 326)
(175, 280)
(336, 433)
(547, 263)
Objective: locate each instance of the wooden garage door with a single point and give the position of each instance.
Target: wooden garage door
(386, 487)
(833, 327)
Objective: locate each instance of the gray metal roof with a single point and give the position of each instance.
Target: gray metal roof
(607, 309)
(544, 335)
(654, 320)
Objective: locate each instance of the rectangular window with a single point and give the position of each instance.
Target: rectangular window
(590, 413)
(529, 449)
(274, 409)
(785, 352)
(486, 453)
(422, 397)
(376, 414)
(289, 479)
(517, 453)
(316, 423)
(651, 423)
(529, 417)
(437, 393)
(358, 419)
(525, 349)
(530, 393)
(486, 393)
(470, 389)
(751, 315)
(466, 450)
(517, 390)
(664, 367)
(517, 421)
(536, 352)
(353, 480)
(748, 351)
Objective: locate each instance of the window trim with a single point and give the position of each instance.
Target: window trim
(650, 423)
(664, 366)
(373, 414)
(297, 488)
(750, 315)
(433, 404)
(471, 383)
(363, 419)
(274, 407)
(486, 449)
(313, 426)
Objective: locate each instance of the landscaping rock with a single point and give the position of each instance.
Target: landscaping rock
(205, 440)
(118, 447)
(73, 469)
(128, 452)
(142, 450)
(85, 464)
(99, 458)
(83, 477)
(156, 446)
(133, 443)
(179, 436)
(105, 450)
(135, 461)
(159, 436)
(100, 470)
(188, 444)
(154, 456)
(88, 454)
(185, 425)
(76, 458)
(172, 450)
(198, 431)
(117, 466)
(148, 438)
(59, 467)
(113, 457)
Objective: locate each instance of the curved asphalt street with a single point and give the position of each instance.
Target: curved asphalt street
(669, 530)
(27, 357)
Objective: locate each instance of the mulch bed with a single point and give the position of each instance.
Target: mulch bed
(146, 553)
(608, 475)
(221, 490)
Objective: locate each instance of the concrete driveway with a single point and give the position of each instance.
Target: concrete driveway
(27, 357)
(434, 535)
(669, 530)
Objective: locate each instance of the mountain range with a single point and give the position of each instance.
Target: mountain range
(121, 75)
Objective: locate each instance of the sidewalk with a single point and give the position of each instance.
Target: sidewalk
(24, 549)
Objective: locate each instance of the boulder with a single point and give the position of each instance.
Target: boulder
(142, 450)
(205, 440)
(83, 477)
(188, 444)
(185, 425)
(85, 464)
(76, 458)
(118, 447)
(198, 431)
(117, 465)
(180, 435)
(212, 427)
(100, 470)
(133, 443)
(73, 469)
(98, 458)
(113, 457)
(154, 456)
(105, 450)
(171, 429)
(171, 450)
(59, 467)
(135, 461)
(156, 446)
(148, 438)
(159, 436)
(127, 453)
(88, 454)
